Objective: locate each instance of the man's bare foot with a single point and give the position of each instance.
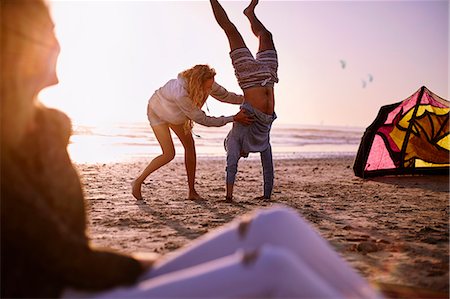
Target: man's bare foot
(136, 190)
(195, 196)
(251, 8)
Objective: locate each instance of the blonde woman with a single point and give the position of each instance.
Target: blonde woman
(176, 106)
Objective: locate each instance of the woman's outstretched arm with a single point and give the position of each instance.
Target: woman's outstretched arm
(221, 94)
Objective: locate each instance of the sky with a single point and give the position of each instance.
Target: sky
(115, 54)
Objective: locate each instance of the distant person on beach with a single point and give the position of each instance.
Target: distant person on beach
(175, 106)
(256, 77)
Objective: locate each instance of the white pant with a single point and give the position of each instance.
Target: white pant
(292, 261)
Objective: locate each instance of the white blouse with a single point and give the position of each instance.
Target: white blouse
(171, 103)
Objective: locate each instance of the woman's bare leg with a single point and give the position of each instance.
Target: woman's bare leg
(190, 158)
(234, 37)
(164, 138)
(264, 35)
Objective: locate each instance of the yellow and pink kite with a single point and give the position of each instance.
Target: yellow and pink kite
(409, 137)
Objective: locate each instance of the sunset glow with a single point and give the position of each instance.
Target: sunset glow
(116, 53)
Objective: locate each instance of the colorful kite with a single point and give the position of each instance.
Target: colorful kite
(409, 137)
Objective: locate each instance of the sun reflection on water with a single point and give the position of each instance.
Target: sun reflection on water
(136, 142)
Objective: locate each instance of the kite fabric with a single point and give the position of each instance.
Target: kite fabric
(409, 137)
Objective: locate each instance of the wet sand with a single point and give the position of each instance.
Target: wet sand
(392, 230)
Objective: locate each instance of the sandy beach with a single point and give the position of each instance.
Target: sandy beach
(392, 230)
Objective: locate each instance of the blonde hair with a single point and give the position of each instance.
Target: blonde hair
(195, 78)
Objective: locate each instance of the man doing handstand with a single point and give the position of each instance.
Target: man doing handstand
(256, 77)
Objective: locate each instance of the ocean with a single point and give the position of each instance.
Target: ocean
(128, 142)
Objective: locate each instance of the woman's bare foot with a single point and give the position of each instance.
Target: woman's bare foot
(251, 8)
(136, 190)
(194, 196)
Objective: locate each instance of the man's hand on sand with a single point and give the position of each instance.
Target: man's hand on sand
(243, 118)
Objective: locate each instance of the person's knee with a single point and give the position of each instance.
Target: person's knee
(275, 268)
(266, 40)
(232, 165)
(278, 217)
(168, 155)
(266, 34)
(231, 174)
